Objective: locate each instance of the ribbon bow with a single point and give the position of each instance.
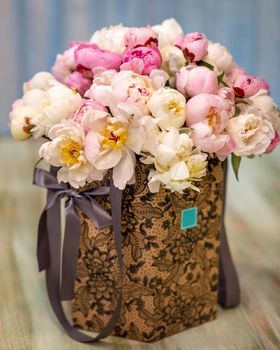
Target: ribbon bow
(49, 243)
(87, 204)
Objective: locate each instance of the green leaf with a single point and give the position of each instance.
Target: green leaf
(225, 84)
(221, 77)
(205, 64)
(237, 111)
(235, 162)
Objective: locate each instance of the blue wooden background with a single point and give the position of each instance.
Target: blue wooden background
(33, 31)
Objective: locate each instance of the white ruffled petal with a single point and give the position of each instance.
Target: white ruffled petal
(124, 170)
(107, 159)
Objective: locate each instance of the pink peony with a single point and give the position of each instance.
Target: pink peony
(246, 85)
(234, 72)
(207, 115)
(140, 37)
(77, 81)
(194, 45)
(87, 106)
(264, 84)
(64, 64)
(142, 59)
(227, 93)
(90, 56)
(192, 81)
(274, 143)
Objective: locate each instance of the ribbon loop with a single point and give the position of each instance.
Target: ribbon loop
(87, 204)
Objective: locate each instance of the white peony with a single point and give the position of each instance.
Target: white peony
(219, 57)
(251, 133)
(168, 32)
(172, 60)
(41, 80)
(67, 150)
(20, 118)
(111, 38)
(177, 164)
(168, 107)
(264, 102)
(57, 103)
(122, 138)
(126, 86)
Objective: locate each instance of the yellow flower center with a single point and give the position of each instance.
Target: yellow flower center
(70, 152)
(115, 136)
(175, 106)
(249, 131)
(197, 169)
(213, 117)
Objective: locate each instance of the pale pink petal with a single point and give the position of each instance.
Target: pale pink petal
(92, 146)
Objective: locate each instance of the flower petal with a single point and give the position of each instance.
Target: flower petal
(124, 170)
(179, 171)
(107, 159)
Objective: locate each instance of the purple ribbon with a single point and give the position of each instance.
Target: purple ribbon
(229, 288)
(87, 204)
(60, 285)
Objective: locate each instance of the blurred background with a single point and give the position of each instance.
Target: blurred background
(32, 32)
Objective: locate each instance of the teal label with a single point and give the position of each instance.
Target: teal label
(188, 218)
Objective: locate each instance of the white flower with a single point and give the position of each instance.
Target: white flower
(177, 164)
(251, 133)
(168, 32)
(264, 102)
(41, 80)
(172, 60)
(57, 103)
(67, 150)
(20, 122)
(111, 38)
(219, 57)
(122, 136)
(168, 107)
(100, 89)
(126, 86)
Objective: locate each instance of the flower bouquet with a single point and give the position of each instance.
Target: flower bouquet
(137, 125)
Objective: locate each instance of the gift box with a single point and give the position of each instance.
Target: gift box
(170, 248)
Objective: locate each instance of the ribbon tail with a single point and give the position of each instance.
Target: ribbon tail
(43, 246)
(229, 289)
(70, 253)
(95, 212)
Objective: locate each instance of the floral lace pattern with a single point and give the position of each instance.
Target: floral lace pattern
(171, 275)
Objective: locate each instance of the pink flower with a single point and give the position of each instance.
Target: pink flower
(246, 85)
(227, 93)
(273, 144)
(64, 64)
(234, 72)
(194, 45)
(264, 84)
(90, 56)
(87, 106)
(140, 37)
(192, 81)
(207, 115)
(77, 81)
(142, 59)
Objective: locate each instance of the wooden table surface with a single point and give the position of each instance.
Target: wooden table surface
(253, 224)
